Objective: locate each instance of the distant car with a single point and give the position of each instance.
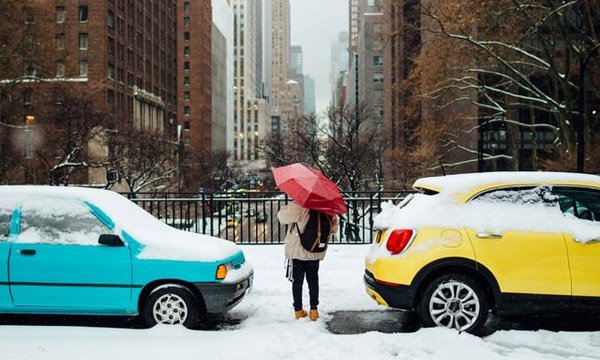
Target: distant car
(85, 251)
(250, 212)
(233, 222)
(261, 217)
(506, 242)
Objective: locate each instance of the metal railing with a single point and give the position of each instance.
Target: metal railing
(251, 218)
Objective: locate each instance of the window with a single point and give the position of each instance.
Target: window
(378, 60)
(60, 14)
(186, 81)
(111, 71)
(186, 66)
(186, 51)
(110, 19)
(378, 78)
(29, 15)
(187, 111)
(110, 96)
(186, 36)
(187, 21)
(27, 100)
(111, 46)
(59, 221)
(83, 68)
(29, 42)
(59, 43)
(581, 203)
(83, 13)
(60, 68)
(29, 68)
(83, 41)
(187, 7)
(187, 96)
(186, 125)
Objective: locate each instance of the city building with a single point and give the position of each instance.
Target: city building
(122, 52)
(194, 76)
(310, 106)
(370, 62)
(251, 110)
(222, 74)
(280, 60)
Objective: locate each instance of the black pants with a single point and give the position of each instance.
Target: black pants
(311, 270)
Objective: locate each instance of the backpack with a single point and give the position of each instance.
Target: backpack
(316, 232)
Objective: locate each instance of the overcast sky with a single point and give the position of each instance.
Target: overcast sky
(315, 25)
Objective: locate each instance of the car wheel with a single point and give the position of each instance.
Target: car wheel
(172, 305)
(454, 301)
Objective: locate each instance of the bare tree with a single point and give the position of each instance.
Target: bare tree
(517, 62)
(142, 159)
(347, 146)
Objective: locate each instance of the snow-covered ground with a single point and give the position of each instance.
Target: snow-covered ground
(268, 329)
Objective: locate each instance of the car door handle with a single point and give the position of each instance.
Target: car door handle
(28, 252)
(484, 235)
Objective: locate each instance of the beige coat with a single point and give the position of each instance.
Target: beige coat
(294, 213)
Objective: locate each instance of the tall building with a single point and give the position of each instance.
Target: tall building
(309, 95)
(222, 74)
(339, 69)
(123, 52)
(370, 59)
(194, 75)
(402, 21)
(280, 102)
(250, 108)
(296, 61)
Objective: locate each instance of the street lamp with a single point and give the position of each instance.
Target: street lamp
(581, 124)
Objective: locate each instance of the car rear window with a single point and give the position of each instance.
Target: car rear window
(519, 195)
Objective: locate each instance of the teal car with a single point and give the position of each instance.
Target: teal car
(66, 250)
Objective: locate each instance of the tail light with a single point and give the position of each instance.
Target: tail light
(399, 240)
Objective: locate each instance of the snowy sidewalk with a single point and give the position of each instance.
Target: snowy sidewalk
(269, 331)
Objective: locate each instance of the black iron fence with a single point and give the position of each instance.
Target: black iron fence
(251, 217)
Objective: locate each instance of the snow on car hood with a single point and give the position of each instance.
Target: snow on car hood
(158, 240)
(442, 211)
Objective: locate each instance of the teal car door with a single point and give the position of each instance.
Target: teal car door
(56, 261)
(5, 220)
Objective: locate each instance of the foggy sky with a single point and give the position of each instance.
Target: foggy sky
(315, 25)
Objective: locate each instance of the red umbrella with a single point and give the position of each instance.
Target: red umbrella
(310, 188)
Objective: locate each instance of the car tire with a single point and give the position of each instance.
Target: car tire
(172, 304)
(454, 301)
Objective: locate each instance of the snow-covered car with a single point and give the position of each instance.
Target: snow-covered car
(522, 242)
(86, 251)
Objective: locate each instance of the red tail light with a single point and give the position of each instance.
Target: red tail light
(398, 240)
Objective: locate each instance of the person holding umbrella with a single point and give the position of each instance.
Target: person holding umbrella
(316, 202)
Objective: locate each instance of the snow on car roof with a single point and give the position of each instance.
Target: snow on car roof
(463, 183)
(160, 240)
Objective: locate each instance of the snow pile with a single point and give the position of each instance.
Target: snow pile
(268, 330)
(494, 214)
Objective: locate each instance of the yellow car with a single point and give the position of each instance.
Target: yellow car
(465, 245)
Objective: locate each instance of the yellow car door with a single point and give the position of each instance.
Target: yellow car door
(584, 254)
(524, 262)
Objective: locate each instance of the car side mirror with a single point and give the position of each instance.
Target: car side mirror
(110, 240)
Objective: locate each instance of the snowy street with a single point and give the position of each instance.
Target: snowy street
(263, 327)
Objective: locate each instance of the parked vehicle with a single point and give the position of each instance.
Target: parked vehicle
(506, 242)
(86, 251)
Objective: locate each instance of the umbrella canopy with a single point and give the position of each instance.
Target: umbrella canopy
(310, 188)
